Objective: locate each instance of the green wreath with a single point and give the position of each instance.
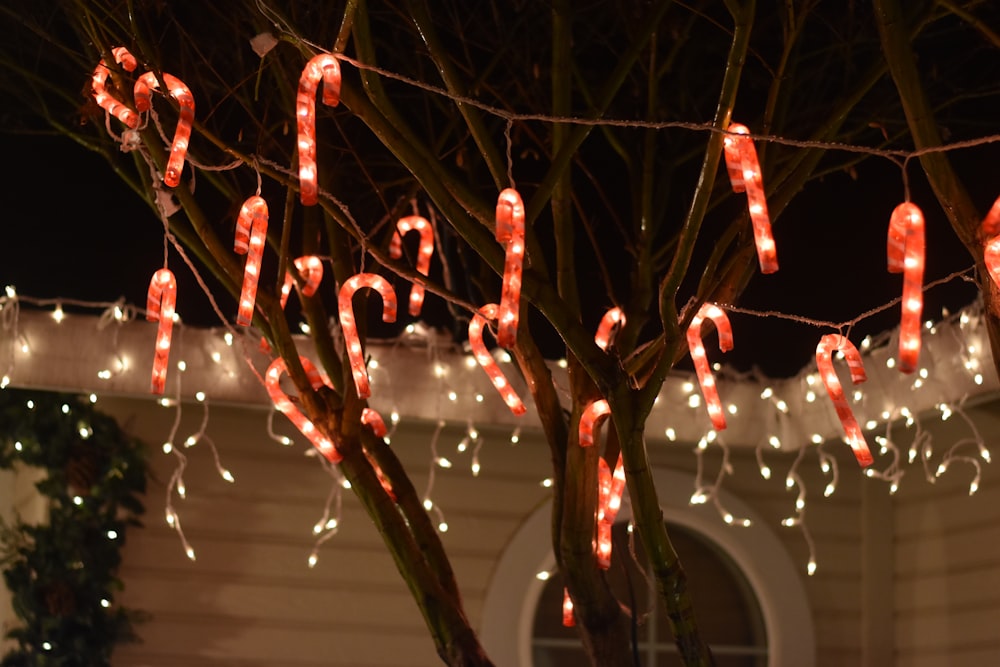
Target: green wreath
(62, 574)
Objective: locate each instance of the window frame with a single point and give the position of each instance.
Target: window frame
(513, 591)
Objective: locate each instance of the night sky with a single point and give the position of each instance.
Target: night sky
(74, 231)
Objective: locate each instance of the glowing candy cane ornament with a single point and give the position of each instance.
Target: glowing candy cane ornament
(609, 486)
(567, 610)
(991, 233)
(160, 302)
(311, 268)
(251, 233)
(374, 421)
(486, 360)
(103, 98)
(824, 362)
(424, 253)
(510, 231)
(905, 252)
(745, 175)
(272, 379)
(705, 378)
(325, 67)
(346, 307)
(179, 145)
(606, 328)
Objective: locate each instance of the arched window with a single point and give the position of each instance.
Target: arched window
(729, 615)
(508, 619)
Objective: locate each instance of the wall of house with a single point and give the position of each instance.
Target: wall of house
(947, 557)
(250, 598)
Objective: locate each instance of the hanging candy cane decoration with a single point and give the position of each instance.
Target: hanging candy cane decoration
(272, 380)
(510, 231)
(705, 377)
(161, 300)
(991, 232)
(101, 95)
(487, 361)
(745, 175)
(567, 610)
(350, 329)
(591, 414)
(610, 486)
(420, 224)
(251, 233)
(311, 269)
(326, 67)
(180, 92)
(905, 252)
(824, 362)
(374, 421)
(606, 328)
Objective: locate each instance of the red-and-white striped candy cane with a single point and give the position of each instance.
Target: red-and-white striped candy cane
(991, 235)
(606, 328)
(705, 377)
(373, 420)
(424, 253)
(606, 485)
(905, 252)
(311, 269)
(251, 234)
(510, 231)
(745, 175)
(284, 405)
(325, 67)
(182, 135)
(161, 299)
(567, 609)
(487, 361)
(824, 362)
(101, 95)
(345, 304)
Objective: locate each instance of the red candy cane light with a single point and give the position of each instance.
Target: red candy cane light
(284, 405)
(745, 175)
(487, 361)
(251, 233)
(420, 224)
(180, 92)
(161, 300)
(991, 233)
(373, 420)
(824, 362)
(510, 231)
(705, 377)
(345, 303)
(325, 67)
(905, 252)
(609, 485)
(101, 95)
(311, 269)
(606, 329)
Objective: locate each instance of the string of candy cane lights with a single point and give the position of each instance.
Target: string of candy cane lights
(745, 176)
(251, 234)
(182, 134)
(346, 310)
(311, 269)
(510, 231)
(426, 249)
(325, 67)
(487, 361)
(990, 230)
(272, 379)
(104, 99)
(161, 300)
(905, 253)
(705, 377)
(824, 362)
(606, 329)
(610, 486)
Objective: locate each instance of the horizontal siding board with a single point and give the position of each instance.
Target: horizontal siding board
(943, 628)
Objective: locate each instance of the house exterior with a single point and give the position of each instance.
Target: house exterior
(910, 578)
